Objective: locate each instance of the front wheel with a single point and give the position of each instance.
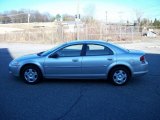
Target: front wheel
(31, 74)
(119, 75)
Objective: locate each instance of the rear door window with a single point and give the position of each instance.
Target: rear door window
(97, 50)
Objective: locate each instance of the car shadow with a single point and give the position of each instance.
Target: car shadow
(75, 81)
(6, 57)
(153, 64)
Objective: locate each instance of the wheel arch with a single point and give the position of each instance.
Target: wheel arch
(119, 65)
(31, 64)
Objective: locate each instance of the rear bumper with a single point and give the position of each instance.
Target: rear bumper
(142, 70)
(141, 73)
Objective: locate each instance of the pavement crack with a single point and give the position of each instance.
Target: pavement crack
(81, 94)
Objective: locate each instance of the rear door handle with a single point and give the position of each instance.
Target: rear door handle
(110, 59)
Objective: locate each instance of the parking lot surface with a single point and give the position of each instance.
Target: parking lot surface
(54, 99)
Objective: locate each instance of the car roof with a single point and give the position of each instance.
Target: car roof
(86, 41)
(101, 42)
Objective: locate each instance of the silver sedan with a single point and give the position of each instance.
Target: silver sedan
(84, 59)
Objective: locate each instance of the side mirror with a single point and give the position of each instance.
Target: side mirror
(55, 55)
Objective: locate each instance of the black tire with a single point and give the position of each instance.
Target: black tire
(31, 74)
(119, 76)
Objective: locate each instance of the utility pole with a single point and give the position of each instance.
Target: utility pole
(106, 17)
(29, 18)
(77, 19)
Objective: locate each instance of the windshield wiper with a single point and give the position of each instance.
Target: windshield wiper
(39, 54)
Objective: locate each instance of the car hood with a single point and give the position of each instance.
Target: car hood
(27, 57)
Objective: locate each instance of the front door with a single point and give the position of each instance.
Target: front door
(67, 63)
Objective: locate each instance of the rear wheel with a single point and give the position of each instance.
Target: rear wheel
(119, 75)
(31, 74)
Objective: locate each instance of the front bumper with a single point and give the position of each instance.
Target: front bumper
(14, 70)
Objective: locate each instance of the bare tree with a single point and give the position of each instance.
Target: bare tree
(21, 16)
(89, 11)
(139, 15)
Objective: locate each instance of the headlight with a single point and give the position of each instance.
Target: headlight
(14, 63)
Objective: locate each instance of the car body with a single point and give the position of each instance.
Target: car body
(82, 59)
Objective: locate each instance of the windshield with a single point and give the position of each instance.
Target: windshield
(44, 53)
(40, 53)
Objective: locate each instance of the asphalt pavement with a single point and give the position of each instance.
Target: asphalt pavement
(139, 99)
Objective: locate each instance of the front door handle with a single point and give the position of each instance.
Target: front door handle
(74, 60)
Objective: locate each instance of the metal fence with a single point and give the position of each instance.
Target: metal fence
(63, 33)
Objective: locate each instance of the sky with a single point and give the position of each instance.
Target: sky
(106, 10)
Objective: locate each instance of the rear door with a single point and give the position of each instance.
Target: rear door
(96, 60)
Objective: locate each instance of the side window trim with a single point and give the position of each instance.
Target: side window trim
(105, 47)
(69, 46)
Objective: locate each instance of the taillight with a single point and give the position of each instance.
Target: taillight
(142, 59)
